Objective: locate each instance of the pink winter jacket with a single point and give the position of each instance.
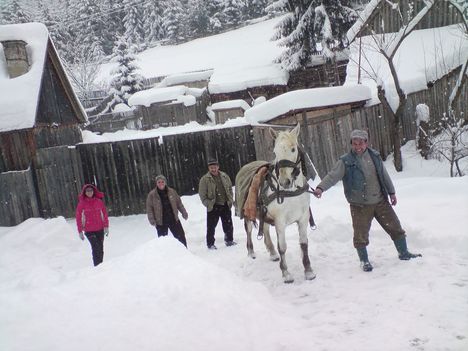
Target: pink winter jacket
(91, 214)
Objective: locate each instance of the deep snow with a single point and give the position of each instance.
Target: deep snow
(152, 294)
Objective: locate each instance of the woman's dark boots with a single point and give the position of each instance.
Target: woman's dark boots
(403, 253)
(365, 264)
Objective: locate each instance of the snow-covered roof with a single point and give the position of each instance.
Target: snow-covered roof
(229, 79)
(230, 104)
(239, 59)
(155, 95)
(121, 108)
(180, 78)
(424, 56)
(19, 96)
(306, 99)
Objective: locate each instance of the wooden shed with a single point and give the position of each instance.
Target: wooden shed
(230, 109)
(38, 111)
(170, 106)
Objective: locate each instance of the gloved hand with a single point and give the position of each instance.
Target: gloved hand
(185, 216)
(81, 234)
(106, 231)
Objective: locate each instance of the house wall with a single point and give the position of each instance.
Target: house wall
(325, 134)
(173, 114)
(436, 98)
(442, 14)
(248, 95)
(328, 74)
(222, 116)
(16, 150)
(54, 103)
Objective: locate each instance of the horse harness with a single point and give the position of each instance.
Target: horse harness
(271, 179)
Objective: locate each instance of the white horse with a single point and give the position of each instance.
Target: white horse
(283, 200)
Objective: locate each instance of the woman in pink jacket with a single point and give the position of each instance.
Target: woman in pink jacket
(92, 220)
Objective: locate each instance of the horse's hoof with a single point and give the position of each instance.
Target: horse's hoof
(274, 257)
(310, 275)
(288, 279)
(252, 256)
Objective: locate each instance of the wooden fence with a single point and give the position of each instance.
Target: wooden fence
(123, 170)
(18, 200)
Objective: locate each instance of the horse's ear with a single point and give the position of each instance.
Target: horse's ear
(273, 133)
(296, 130)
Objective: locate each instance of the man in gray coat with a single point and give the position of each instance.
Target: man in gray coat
(215, 191)
(367, 187)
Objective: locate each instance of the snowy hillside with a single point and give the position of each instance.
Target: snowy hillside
(152, 294)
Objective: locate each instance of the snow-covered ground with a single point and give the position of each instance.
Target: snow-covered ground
(153, 294)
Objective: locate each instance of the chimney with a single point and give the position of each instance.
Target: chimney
(16, 57)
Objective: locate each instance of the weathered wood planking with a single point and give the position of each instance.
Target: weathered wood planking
(387, 20)
(125, 170)
(326, 137)
(17, 197)
(58, 179)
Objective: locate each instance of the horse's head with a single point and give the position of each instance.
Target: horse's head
(287, 160)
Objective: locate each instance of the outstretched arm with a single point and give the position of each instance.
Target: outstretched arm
(334, 176)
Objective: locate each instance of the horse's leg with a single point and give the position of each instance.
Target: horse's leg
(248, 230)
(280, 232)
(308, 272)
(268, 243)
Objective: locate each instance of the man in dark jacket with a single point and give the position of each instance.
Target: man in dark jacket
(162, 208)
(215, 191)
(367, 187)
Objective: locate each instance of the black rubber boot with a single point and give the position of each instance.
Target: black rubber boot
(403, 253)
(365, 264)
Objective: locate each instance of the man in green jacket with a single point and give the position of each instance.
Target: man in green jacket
(215, 191)
(367, 187)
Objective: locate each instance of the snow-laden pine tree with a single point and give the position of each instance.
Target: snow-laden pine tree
(86, 25)
(85, 52)
(133, 24)
(126, 80)
(112, 15)
(13, 12)
(231, 13)
(215, 10)
(295, 32)
(333, 18)
(307, 23)
(43, 15)
(174, 21)
(153, 21)
(254, 8)
(198, 19)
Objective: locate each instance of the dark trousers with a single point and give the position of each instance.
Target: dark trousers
(96, 239)
(383, 212)
(176, 230)
(223, 212)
